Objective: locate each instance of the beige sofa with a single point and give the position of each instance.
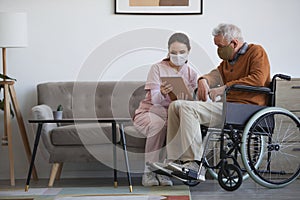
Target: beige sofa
(89, 142)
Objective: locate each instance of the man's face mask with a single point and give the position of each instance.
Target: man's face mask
(179, 59)
(226, 52)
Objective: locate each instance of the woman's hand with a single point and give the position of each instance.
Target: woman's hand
(182, 96)
(165, 88)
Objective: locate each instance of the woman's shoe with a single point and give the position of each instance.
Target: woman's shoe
(149, 179)
(164, 180)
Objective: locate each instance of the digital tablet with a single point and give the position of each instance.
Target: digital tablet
(179, 86)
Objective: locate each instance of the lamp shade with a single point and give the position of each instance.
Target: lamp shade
(13, 29)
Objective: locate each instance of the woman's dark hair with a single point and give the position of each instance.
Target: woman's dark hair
(179, 37)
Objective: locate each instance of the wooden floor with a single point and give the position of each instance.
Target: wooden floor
(209, 190)
(249, 190)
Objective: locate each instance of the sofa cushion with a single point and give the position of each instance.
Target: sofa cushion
(83, 134)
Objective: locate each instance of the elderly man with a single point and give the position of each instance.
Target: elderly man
(242, 63)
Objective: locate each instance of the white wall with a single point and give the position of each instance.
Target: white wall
(68, 39)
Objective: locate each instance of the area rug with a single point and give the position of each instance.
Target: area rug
(177, 192)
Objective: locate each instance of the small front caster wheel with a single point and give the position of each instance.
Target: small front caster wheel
(191, 183)
(230, 177)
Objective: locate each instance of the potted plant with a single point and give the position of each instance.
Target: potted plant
(58, 113)
(4, 77)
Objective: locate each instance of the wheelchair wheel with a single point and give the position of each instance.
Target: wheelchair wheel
(230, 177)
(212, 155)
(280, 162)
(191, 183)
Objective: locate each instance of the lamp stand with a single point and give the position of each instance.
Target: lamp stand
(10, 94)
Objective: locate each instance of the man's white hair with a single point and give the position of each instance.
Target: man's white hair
(229, 31)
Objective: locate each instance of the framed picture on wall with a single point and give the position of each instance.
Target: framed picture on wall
(152, 7)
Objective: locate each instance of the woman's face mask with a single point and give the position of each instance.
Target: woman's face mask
(179, 59)
(226, 52)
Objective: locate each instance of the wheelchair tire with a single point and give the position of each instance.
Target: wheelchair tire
(280, 131)
(230, 177)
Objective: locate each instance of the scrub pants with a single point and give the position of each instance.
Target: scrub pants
(154, 127)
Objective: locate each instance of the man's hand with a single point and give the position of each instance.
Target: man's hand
(203, 90)
(216, 92)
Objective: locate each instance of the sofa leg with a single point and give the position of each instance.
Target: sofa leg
(59, 171)
(54, 170)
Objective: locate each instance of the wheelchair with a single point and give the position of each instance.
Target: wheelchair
(262, 142)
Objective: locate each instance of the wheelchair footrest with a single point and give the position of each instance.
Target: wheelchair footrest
(193, 174)
(187, 175)
(184, 174)
(161, 172)
(158, 170)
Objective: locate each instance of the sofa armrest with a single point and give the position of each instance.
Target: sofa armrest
(44, 112)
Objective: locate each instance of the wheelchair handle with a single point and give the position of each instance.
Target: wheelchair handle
(282, 76)
(273, 85)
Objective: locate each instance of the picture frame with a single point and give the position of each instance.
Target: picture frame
(159, 7)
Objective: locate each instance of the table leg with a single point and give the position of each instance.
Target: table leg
(36, 143)
(114, 135)
(21, 127)
(125, 155)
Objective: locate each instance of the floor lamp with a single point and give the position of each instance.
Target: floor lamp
(13, 34)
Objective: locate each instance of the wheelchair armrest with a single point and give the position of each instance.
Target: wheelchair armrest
(245, 88)
(248, 88)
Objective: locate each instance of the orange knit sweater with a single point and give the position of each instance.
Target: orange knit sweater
(251, 68)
